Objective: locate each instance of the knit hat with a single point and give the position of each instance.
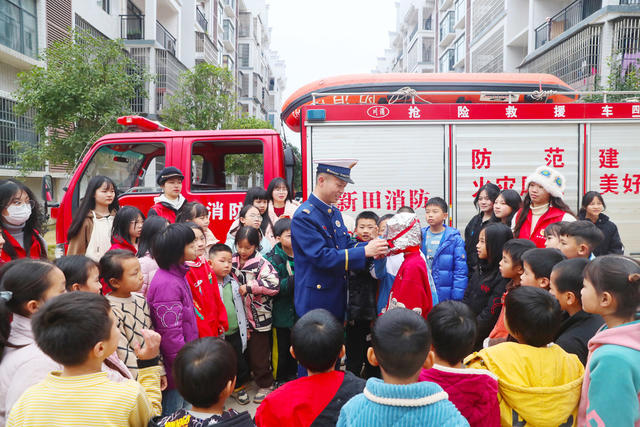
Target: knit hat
(549, 179)
(403, 231)
(168, 173)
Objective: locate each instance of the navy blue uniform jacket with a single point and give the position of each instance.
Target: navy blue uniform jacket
(323, 253)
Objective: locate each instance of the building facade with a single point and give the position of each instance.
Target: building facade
(261, 73)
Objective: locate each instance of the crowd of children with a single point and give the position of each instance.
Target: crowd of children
(531, 319)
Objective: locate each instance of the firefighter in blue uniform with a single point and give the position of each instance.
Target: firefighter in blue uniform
(323, 250)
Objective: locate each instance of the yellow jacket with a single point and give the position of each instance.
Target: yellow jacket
(538, 387)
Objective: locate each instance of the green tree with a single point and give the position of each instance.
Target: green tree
(619, 79)
(205, 99)
(88, 82)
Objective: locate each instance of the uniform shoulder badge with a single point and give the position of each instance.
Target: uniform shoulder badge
(307, 211)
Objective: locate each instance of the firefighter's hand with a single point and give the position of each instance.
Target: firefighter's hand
(376, 248)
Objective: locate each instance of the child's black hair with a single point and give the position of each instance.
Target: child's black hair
(513, 200)
(168, 246)
(122, 221)
(249, 233)
(533, 314)
(255, 193)
(401, 342)
(68, 326)
(588, 197)
(191, 210)
(542, 260)
(219, 247)
(281, 225)
(405, 209)
(516, 248)
(76, 269)
(569, 276)
(453, 330)
(202, 369)
(243, 214)
(553, 229)
(492, 192)
(88, 203)
(385, 217)
(496, 234)
(23, 280)
(275, 183)
(317, 339)
(438, 202)
(194, 226)
(620, 276)
(584, 232)
(150, 229)
(367, 215)
(111, 264)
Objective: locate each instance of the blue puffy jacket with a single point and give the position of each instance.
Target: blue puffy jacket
(449, 267)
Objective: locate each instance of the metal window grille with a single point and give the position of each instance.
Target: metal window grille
(576, 60)
(168, 70)
(489, 56)
(205, 46)
(13, 128)
(243, 56)
(427, 50)
(140, 102)
(484, 12)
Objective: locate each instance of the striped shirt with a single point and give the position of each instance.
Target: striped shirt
(89, 400)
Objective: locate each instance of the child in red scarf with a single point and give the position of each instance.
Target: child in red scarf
(411, 288)
(211, 315)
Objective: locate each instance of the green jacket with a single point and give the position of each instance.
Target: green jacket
(284, 314)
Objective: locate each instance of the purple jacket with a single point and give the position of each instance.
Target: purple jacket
(171, 305)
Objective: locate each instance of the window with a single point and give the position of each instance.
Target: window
(104, 4)
(13, 128)
(133, 167)
(243, 56)
(19, 26)
(460, 49)
(226, 165)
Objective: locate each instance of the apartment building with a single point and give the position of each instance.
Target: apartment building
(261, 73)
(412, 46)
(452, 17)
(572, 39)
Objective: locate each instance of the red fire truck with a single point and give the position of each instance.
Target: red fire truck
(409, 148)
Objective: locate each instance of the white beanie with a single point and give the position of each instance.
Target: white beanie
(549, 179)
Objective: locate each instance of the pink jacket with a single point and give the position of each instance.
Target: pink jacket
(27, 365)
(149, 267)
(289, 209)
(473, 391)
(262, 284)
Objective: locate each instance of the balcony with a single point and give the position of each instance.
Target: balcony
(447, 61)
(447, 29)
(205, 49)
(445, 4)
(567, 18)
(460, 49)
(201, 20)
(427, 25)
(166, 40)
(228, 36)
(229, 8)
(132, 27)
(461, 13)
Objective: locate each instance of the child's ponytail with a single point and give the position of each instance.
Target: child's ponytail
(620, 276)
(22, 281)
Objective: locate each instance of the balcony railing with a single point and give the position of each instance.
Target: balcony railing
(205, 46)
(566, 19)
(629, 1)
(413, 32)
(132, 27)
(166, 40)
(202, 21)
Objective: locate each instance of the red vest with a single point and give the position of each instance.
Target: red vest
(36, 250)
(164, 211)
(411, 288)
(552, 215)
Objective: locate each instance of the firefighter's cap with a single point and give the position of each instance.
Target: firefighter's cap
(340, 168)
(168, 173)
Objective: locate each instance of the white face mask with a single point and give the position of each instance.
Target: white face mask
(18, 215)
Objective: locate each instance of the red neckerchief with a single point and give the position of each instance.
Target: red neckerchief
(411, 249)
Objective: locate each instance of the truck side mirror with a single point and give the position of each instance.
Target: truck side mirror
(48, 193)
(289, 166)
